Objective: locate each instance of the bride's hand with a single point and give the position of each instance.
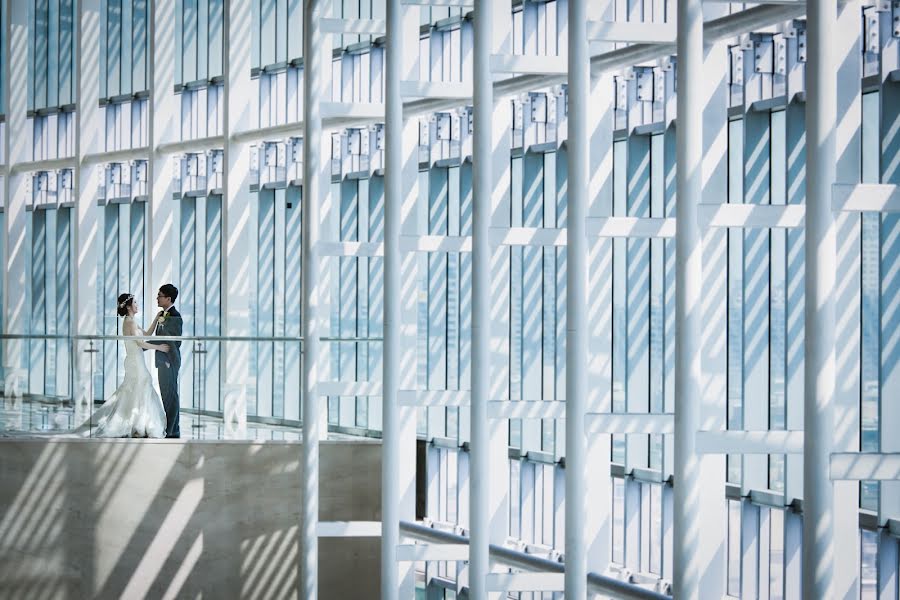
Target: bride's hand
(163, 348)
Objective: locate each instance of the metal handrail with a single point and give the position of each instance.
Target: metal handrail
(597, 583)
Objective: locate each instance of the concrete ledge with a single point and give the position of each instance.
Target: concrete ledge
(179, 518)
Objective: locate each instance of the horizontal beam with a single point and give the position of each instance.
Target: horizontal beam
(862, 466)
(43, 165)
(436, 89)
(527, 236)
(458, 3)
(595, 423)
(630, 227)
(787, 2)
(749, 442)
(351, 249)
(525, 582)
(751, 216)
(352, 110)
(349, 388)
(422, 552)
(363, 26)
(341, 529)
(213, 142)
(434, 397)
(526, 409)
(532, 64)
(865, 197)
(631, 31)
(435, 243)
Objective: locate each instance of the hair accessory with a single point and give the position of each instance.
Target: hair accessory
(126, 301)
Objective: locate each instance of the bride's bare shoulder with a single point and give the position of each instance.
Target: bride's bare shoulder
(128, 326)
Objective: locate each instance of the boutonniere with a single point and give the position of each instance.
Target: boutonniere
(163, 317)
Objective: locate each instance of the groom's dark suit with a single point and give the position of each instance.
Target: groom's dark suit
(167, 366)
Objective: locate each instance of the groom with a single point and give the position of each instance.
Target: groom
(169, 324)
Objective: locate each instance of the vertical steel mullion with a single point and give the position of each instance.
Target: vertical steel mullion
(756, 292)
(188, 271)
(280, 302)
(51, 300)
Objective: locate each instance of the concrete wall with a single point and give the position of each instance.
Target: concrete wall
(166, 519)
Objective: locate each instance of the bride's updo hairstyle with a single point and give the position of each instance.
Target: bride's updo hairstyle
(125, 300)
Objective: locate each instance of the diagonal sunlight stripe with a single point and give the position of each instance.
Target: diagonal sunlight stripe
(184, 569)
(164, 542)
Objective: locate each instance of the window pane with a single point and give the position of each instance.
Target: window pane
(618, 533)
(868, 571)
(776, 555)
(734, 548)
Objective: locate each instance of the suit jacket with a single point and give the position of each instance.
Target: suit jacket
(172, 325)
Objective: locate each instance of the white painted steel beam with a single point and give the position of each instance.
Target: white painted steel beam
(527, 409)
(436, 89)
(328, 248)
(353, 110)
(749, 442)
(526, 582)
(435, 243)
(529, 64)
(631, 31)
(527, 236)
(863, 466)
(456, 3)
(425, 552)
(354, 529)
(865, 197)
(349, 388)
(752, 216)
(434, 397)
(630, 227)
(361, 26)
(629, 423)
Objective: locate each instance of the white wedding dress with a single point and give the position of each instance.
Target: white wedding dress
(134, 409)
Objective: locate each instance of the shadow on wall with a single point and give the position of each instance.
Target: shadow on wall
(133, 519)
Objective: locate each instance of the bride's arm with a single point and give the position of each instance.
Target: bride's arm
(131, 329)
(151, 330)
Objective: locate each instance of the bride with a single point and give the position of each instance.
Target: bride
(134, 409)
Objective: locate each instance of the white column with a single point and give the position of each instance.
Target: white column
(20, 136)
(241, 108)
(314, 91)
(165, 126)
(698, 557)
(598, 520)
(479, 490)
(489, 463)
(819, 379)
(88, 235)
(847, 294)
(576, 275)
(393, 199)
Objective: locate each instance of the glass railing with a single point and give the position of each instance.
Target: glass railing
(229, 387)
